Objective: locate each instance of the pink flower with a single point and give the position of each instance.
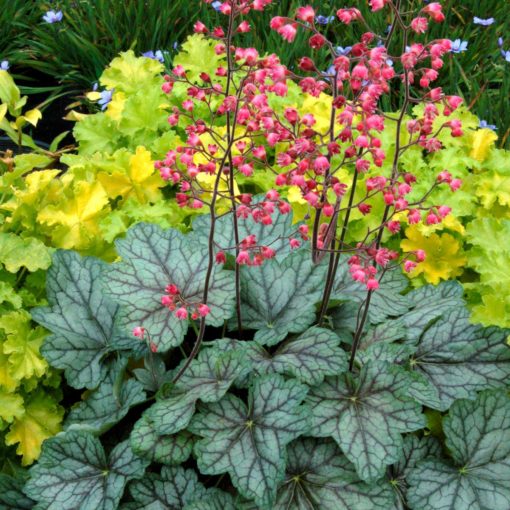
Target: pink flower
(288, 32)
(199, 28)
(317, 41)
(138, 332)
(321, 164)
(221, 258)
(434, 10)
(419, 25)
(348, 15)
(294, 243)
(203, 310)
(306, 14)
(409, 265)
(377, 5)
(277, 22)
(243, 27)
(372, 284)
(432, 219)
(444, 211)
(420, 255)
(243, 257)
(179, 71)
(181, 313)
(455, 184)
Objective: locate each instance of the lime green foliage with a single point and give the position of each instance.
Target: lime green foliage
(110, 183)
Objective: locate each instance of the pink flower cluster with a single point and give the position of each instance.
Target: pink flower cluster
(305, 156)
(175, 302)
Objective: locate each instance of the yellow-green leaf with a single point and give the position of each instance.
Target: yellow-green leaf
(41, 420)
(22, 345)
(11, 405)
(16, 252)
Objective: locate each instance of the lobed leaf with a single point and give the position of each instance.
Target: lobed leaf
(73, 472)
(248, 442)
(366, 415)
(81, 319)
(478, 437)
(279, 297)
(152, 258)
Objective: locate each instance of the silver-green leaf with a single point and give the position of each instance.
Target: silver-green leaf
(173, 489)
(81, 319)
(169, 449)
(318, 476)
(279, 296)
(73, 472)
(152, 258)
(249, 442)
(366, 415)
(459, 359)
(208, 378)
(478, 438)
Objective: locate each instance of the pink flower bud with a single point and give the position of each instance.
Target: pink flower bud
(420, 255)
(181, 313)
(409, 265)
(372, 284)
(199, 28)
(203, 310)
(306, 14)
(221, 258)
(138, 332)
(243, 257)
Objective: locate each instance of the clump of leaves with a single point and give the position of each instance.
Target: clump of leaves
(271, 420)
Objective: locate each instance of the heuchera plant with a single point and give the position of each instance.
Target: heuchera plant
(334, 388)
(239, 127)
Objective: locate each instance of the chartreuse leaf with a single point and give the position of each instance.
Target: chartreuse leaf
(81, 318)
(248, 441)
(152, 258)
(11, 494)
(366, 415)
(17, 252)
(40, 420)
(173, 489)
(22, 345)
(108, 404)
(478, 438)
(386, 302)
(415, 450)
(74, 472)
(319, 476)
(11, 406)
(198, 56)
(458, 358)
(310, 357)
(128, 73)
(208, 378)
(170, 449)
(279, 296)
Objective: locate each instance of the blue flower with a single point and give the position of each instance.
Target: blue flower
(459, 46)
(175, 45)
(483, 124)
(157, 55)
(340, 50)
(53, 16)
(484, 22)
(324, 20)
(500, 42)
(216, 6)
(106, 97)
(506, 55)
(4, 65)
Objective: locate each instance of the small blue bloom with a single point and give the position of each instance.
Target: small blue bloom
(155, 55)
(4, 65)
(53, 16)
(389, 62)
(324, 20)
(484, 22)
(459, 46)
(216, 6)
(483, 124)
(340, 50)
(506, 55)
(175, 45)
(106, 97)
(387, 30)
(500, 42)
